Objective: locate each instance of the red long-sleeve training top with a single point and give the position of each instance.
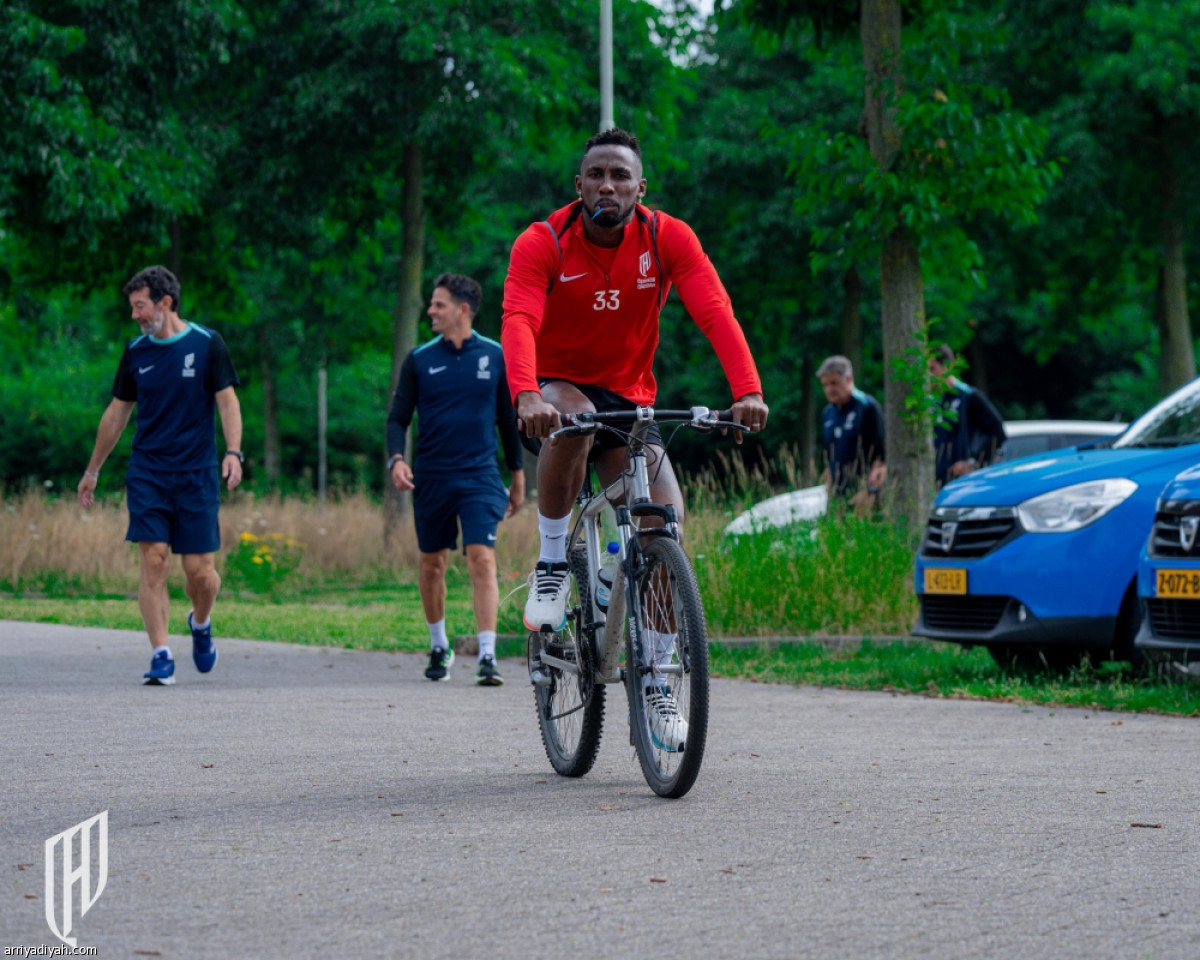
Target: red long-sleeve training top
(589, 314)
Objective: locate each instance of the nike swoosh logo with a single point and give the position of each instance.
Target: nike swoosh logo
(145, 369)
(565, 279)
(491, 536)
(436, 369)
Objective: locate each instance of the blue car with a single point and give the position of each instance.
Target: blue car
(1037, 559)
(1169, 574)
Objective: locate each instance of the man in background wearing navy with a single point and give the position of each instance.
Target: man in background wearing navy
(852, 432)
(457, 383)
(175, 373)
(969, 430)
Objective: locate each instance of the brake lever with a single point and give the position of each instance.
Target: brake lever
(719, 421)
(575, 430)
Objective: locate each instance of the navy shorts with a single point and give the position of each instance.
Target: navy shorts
(178, 508)
(441, 503)
(605, 401)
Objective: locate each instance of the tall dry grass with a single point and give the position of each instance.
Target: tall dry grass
(840, 574)
(48, 543)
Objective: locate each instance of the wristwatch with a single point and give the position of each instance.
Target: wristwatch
(236, 453)
(393, 459)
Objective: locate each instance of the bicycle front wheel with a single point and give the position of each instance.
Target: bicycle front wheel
(667, 669)
(570, 704)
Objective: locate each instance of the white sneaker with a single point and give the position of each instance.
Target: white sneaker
(668, 729)
(546, 608)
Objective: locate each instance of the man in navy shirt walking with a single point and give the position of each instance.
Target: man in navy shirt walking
(175, 372)
(969, 430)
(457, 382)
(851, 430)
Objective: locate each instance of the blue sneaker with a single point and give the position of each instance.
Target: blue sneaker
(204, 651)
(162, 670)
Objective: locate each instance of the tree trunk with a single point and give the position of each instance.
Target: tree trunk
(852, 333)
(1178, 355)
(408, 310)
(1160, 324)
(880, 30)
(271, 442)
(902, 294)
(909, 439)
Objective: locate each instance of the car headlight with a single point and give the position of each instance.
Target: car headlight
(1074, 507)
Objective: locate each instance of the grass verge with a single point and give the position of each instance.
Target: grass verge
(391, 618)
(375, 618)
(948, 670)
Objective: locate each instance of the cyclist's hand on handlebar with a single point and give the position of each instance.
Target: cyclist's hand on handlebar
(750, 411)
(537, 417)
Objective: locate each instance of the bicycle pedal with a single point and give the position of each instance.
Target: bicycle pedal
(538, 678)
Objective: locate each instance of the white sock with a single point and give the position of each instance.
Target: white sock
(164, 649)
(437, 635)
(197, 625)
(661, 647)
(554, 539)
(487, 644)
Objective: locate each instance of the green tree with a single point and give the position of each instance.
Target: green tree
(730, 182)
(1147, 74)
(939, 151)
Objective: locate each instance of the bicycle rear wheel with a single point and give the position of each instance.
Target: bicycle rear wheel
(667, 670)
(570, 704)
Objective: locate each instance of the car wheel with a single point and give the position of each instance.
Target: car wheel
(1129, 621)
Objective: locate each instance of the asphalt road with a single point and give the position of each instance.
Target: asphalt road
(302, 802)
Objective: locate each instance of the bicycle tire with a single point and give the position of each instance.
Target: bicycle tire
(570, 708)
(666, 595)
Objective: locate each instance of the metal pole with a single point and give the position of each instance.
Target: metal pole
(606, 66)
(322, 422)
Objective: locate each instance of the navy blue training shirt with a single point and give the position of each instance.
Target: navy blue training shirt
(853, 437)
(462, 397)
(173, 382)
(974, 429)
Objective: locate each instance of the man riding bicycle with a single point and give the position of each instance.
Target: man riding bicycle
(581, 323)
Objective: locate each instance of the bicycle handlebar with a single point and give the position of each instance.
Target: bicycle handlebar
(701, 418)
(696, 416)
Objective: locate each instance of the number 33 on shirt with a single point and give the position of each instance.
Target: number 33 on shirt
(607, 300)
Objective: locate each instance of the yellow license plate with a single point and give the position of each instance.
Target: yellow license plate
(945, 580)
(1177, 583)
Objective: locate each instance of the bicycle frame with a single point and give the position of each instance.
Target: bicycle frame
(633, 487)
(654, 596)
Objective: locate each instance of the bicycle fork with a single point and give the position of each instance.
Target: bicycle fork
(624, 603)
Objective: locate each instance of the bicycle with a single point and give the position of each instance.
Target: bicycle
(664, 632)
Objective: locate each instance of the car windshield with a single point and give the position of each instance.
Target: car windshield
(1172, 422)
(1017, 447)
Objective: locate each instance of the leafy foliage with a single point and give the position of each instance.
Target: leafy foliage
(257, 148)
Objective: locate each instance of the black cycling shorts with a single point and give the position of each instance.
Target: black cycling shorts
(605, 401)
